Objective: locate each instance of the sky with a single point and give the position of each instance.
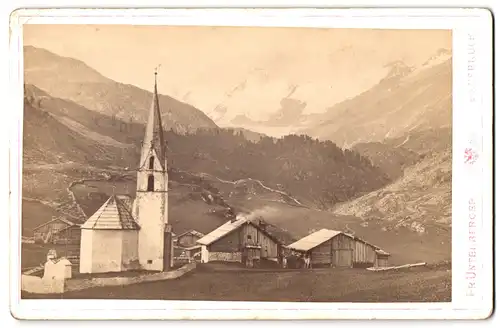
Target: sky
(201, 65)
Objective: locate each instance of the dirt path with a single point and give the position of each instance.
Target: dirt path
(296, 201)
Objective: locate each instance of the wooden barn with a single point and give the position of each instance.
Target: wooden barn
(188, 238)
(240, 240)
(188, 254)
(57, 231)
(332, 248)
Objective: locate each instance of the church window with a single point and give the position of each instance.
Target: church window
(151, 183)
(151, 162)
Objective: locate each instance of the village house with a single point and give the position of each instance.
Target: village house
(185, 246)
(57, 231)
(332, 248)
(188, 238)
(240, 240)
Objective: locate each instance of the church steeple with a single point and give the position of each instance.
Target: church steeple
(151, 202)
(154, 137)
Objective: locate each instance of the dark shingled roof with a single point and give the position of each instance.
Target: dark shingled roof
(114, 214)
(154, 137)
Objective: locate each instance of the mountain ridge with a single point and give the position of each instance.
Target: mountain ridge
(414, 102)
(72, 79)
(291, 112)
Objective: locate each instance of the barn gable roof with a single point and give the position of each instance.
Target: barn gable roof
(68, 222)
(319, 237)
(221, 231)
(382, 252)
(315, 239)
(192, 232)
(75, 226)
(112, 215)
(229, 227)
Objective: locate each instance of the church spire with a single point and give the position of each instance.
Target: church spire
(153, 137)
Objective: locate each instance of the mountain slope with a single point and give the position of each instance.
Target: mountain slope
(67, 167)
(390, 159)
(407, 99)
(421, 198)
(65, 142)
(73, 80)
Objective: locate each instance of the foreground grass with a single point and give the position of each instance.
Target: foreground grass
(318, 285)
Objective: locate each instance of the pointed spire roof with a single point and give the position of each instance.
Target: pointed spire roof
(112, 215)
(154, 137)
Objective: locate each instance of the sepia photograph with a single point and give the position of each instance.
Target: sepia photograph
(236, 163)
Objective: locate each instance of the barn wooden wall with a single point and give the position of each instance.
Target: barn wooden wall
(228, 243)
(382, 261)
(342, 242)
(363, 253)
(322, 254)
(234, 241)
(187, 240)
(40, 233)
(269, 248)
(339, 248)
(71, 235)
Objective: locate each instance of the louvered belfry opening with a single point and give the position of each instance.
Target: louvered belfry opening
(151, 183)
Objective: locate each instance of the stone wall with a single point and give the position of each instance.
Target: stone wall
(79, 284)
(225, 256)
(37, 285)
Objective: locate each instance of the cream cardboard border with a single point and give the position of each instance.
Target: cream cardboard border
(472, 183)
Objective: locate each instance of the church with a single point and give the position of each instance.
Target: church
(125, 234)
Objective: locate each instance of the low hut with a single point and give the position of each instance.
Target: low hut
(332, 248)
(240, 240)
(188, 238)
(57, 231)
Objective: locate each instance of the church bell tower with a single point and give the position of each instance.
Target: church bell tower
(151, 202)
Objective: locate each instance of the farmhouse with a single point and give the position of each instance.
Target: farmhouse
(188, 238)
(57, 231)
(240, 240)
(338, 249)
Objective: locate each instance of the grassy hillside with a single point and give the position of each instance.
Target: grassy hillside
(57, 131)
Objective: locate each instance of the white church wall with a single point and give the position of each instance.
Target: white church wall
(86, 251)
(151, 212)
(130, 254)
(107, 250)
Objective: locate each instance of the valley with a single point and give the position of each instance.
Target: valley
(391, 186)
